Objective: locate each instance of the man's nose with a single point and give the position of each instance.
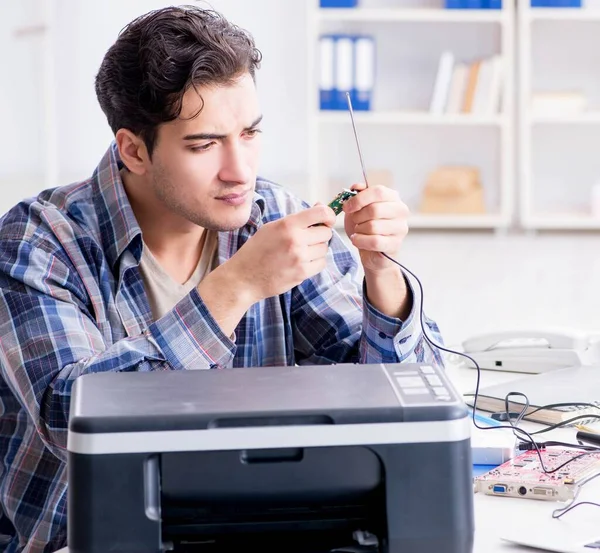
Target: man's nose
(236, 166)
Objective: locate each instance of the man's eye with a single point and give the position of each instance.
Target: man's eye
(203, 148)
(252, 133)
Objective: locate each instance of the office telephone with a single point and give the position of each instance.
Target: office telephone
(533, 351)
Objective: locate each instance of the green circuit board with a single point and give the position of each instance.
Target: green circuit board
(338, 202)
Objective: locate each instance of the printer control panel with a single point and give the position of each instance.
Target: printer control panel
(420, 383)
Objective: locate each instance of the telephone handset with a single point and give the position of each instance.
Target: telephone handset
(534, 351)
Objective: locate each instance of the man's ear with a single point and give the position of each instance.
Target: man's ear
(133, 151)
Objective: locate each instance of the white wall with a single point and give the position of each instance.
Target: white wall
(84, 31)
(20, 94)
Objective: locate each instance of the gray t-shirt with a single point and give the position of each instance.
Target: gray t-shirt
(163, 291)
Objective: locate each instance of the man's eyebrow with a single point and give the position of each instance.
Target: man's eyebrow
(205, 136)
(255, 124)
(212, 136)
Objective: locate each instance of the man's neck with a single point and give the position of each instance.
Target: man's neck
(176, 245)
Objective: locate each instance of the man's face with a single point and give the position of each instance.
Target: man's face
(204, 168)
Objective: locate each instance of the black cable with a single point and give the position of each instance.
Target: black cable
(520, 415)
(554, 406)
(523, 411)
(550, 427)
(584, 454)
(564, 511)
(565, 423)
(515, 429)
(557, 513)
(582, 446)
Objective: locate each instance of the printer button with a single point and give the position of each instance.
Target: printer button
(441, 393)
(416, 392)
(410, 381)
(426, 369)
(434, 380)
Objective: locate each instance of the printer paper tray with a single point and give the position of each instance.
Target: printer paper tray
(320, 494)
(300, 541)
(188, 522)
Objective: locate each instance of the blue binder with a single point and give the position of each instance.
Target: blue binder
(346, 64)
(344, 70)
(364, 72)
(339, 3)
(475, 4)
(466, 4)
(556, 4)
(327, 94)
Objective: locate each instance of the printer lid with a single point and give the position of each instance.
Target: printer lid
(203, 399)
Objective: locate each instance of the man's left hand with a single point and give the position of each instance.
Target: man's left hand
(376, 220)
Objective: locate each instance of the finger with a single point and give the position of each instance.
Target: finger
(371, 195)
(376, 242)
(318, 214)
(317, 266)
(318, 235)
(358, 186)
(316, 252)
(382, 227)
(381, 210)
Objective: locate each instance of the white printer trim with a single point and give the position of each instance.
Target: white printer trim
(265, 437)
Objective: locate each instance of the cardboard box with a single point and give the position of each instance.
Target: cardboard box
(453, 190)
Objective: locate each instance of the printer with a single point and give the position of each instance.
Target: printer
(305, 459)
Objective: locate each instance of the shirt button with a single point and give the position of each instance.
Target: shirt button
(382, 335)
(213, 366)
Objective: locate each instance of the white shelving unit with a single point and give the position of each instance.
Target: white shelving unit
(31, 152)
(399, 134)
(412, 118)
(558, 161)
(416, 14)
(559, 14)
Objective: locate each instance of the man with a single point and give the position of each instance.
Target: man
(175, 256)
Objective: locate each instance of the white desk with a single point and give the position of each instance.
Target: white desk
(494, 514)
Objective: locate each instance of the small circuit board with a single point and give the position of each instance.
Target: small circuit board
(338, 202)
(523, 476)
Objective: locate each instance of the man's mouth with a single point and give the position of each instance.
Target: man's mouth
(234, 199)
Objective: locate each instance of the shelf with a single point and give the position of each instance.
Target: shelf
(488, 221)
(485, 221)
(560, 221)
(586, 118)
(389, 15)
(411, 118)
(407, 112)
(563, 14)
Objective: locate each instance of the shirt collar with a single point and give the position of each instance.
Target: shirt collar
(119, 228)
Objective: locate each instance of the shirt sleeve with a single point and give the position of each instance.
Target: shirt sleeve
(334, 323)
(49, 336)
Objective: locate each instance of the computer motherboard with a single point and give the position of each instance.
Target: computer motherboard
(524, 477)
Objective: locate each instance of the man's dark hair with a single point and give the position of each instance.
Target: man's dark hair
(159, 56)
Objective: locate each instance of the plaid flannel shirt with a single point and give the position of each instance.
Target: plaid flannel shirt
(72, 302)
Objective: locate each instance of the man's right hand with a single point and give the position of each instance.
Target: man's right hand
(281, 255)
(284, 253)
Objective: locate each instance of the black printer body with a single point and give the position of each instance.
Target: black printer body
(287, 459)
